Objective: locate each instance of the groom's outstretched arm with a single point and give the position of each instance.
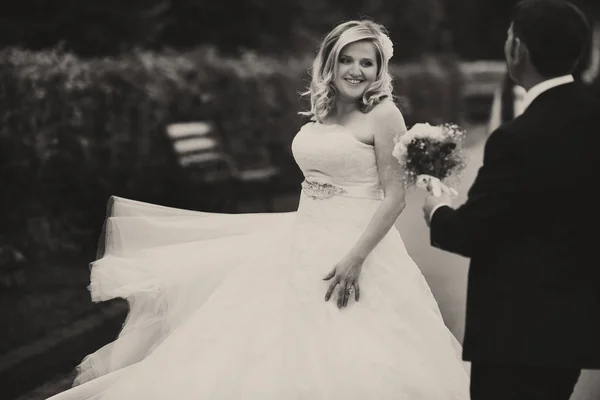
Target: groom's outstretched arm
(493, 205)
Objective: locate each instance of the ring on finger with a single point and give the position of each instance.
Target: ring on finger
(350, 289)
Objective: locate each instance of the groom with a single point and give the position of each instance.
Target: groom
(533, 298)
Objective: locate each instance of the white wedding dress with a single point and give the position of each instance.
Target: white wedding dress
(231, 307)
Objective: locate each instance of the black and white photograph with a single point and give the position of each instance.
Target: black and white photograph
(299, 200)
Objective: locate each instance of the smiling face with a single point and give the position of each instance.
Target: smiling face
(356, 70)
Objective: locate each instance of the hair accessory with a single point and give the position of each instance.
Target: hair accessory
(387, 46)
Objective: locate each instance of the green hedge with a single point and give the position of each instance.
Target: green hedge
(75, 131)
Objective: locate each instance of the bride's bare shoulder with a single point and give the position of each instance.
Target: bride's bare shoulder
(387, 115)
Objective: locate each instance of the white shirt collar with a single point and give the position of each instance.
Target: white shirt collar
(543, 86)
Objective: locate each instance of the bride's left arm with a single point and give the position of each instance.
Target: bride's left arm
(390, 123)
(391, 177)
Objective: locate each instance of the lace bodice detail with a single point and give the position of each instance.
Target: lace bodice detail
(332, 154)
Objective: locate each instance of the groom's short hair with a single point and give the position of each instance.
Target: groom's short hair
(555, 32)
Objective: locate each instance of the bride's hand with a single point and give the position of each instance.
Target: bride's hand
(345, 274)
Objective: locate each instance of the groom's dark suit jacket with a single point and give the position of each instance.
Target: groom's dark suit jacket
(529, 227)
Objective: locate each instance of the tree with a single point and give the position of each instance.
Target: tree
(479, 28)
(269, 26)
(85, 27)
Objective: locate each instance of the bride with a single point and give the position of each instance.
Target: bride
(322, 303)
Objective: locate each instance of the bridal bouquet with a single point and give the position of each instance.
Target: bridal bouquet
(431, 156)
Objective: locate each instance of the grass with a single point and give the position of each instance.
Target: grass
(54, 296)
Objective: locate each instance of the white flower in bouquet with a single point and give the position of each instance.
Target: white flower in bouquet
(431, 155)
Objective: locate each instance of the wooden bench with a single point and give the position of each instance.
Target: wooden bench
(201, 154)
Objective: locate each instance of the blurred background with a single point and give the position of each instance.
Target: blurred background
(193, 103)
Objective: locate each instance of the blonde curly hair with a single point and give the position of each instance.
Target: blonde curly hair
(322, 90)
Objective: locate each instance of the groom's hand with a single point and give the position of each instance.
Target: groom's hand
(432, 203)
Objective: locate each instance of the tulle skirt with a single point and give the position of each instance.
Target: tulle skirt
(231, 306)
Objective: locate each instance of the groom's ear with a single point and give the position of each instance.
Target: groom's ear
(520, 51)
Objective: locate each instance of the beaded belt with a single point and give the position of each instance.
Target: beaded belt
(322, 190)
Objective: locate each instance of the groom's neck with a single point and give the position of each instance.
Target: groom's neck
(531, 79)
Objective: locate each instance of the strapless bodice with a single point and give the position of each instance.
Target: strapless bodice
(335, 162)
